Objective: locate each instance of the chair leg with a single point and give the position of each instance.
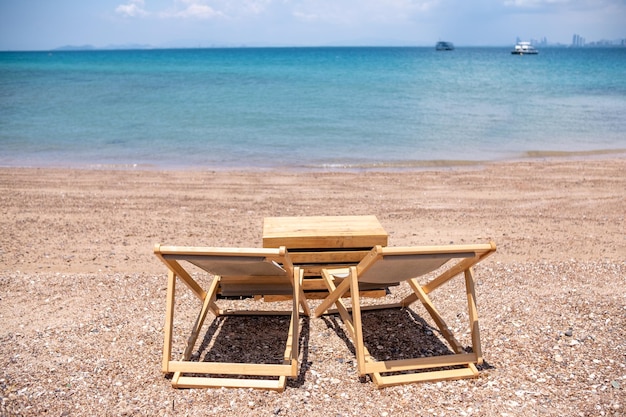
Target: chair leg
(191, 342)
(169, 319)
(359, 345)
(473, 315)
(291, 349)
(354, 330)
(299, 275)
(335, 293)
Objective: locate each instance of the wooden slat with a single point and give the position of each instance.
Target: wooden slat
(256, 280)
(254, 313)
(323, 232)
(249, 291)
(320, 295)
(252, 369)
(317, 284)
(479, 249)
(432, 376)
(269, 252)
(370, 307)
(420, 363)
(312, 284)
(327, 256)
(207, 382)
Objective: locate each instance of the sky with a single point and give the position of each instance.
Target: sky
(49, 24)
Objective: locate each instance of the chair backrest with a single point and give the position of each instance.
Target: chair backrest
(387, 265)
(243, 271)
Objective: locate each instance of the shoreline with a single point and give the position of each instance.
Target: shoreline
(392, 166)
(83, 297)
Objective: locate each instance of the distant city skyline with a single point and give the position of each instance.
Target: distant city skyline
(577, 41)
(43, 25)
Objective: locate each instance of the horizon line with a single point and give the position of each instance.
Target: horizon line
(88, 47)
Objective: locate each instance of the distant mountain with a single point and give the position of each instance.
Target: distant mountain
(75, 48)
(129, 46)
(108, 47)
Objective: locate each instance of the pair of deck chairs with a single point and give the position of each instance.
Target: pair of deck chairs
(239, 272)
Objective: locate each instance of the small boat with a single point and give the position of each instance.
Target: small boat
(444, 46)
(524, 48)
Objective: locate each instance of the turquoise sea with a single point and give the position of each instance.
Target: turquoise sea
(329, 108)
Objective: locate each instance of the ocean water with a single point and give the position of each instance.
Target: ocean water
(302, 108)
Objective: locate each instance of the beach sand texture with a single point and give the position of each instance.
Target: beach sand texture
(82, 297)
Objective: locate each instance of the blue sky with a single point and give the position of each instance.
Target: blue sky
(47, 24)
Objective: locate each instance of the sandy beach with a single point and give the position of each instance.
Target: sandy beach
(82, 297)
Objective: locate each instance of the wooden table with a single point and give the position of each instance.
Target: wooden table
(318, 242)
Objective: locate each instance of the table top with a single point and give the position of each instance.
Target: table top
(323, 232)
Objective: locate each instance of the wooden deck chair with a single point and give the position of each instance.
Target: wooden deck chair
(388, 265)
(237, 272)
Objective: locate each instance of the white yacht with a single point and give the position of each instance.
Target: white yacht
(524, 48)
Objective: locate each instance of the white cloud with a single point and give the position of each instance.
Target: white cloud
(562, 4)
(134, 8)
(181, 9)
(363, 11)
(195, 9)
(329, 11)
(257, 7)
(534, 3)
